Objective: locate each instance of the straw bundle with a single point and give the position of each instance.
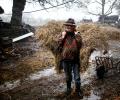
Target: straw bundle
(93, 35)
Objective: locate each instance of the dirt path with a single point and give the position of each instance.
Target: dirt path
(45, 84)
(51, 86)
(40, 86)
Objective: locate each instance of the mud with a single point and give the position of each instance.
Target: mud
(47, 85)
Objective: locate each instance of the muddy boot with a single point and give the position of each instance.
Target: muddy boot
(78, 91)
(68, 91)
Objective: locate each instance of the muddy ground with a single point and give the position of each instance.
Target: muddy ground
(31, 76)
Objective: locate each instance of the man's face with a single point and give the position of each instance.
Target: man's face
(70, 28)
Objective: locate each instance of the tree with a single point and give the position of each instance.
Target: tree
(105, 8)
(19, 5)
(118, 6)
(1, 10)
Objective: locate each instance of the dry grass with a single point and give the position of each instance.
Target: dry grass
(49, 33)
(94, 36)
(26, 66)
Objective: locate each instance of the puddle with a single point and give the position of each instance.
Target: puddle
(11, 85)
(85, 77)
(44, 73)
(92, 97)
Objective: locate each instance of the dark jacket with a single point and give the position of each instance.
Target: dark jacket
(78, 39)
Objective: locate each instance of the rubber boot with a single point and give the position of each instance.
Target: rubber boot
(68, 91)
(78, 90)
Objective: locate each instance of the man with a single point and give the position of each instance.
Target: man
(71, 43)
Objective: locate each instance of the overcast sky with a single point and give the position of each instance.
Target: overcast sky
(59, 13)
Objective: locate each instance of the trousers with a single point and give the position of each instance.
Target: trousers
(71, 69)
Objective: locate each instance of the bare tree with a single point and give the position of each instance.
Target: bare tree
(103, 11)
(19, 5)
(118, 6)
(1, 10)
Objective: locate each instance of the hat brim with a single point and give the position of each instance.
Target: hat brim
(69, 24)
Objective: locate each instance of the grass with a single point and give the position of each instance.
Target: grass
(24, 67)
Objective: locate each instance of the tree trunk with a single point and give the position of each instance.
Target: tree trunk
(103, 11)
(1, 10)
(18, 7)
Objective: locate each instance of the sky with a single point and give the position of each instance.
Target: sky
(59, 13)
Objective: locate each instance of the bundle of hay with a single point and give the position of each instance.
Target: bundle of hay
(49, 35)
(93, 35)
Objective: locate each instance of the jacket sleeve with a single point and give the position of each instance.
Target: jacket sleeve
(79, 40)
(61, 42)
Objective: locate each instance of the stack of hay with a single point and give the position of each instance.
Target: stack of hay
(93, 35)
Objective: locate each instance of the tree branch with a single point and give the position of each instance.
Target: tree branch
(111, 8)
(98, 2)
(108, 1)
(49, 3)
(47, 7)
(93, 13)
(42, 5)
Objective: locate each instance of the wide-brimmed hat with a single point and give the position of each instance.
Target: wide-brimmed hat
(70, 21)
